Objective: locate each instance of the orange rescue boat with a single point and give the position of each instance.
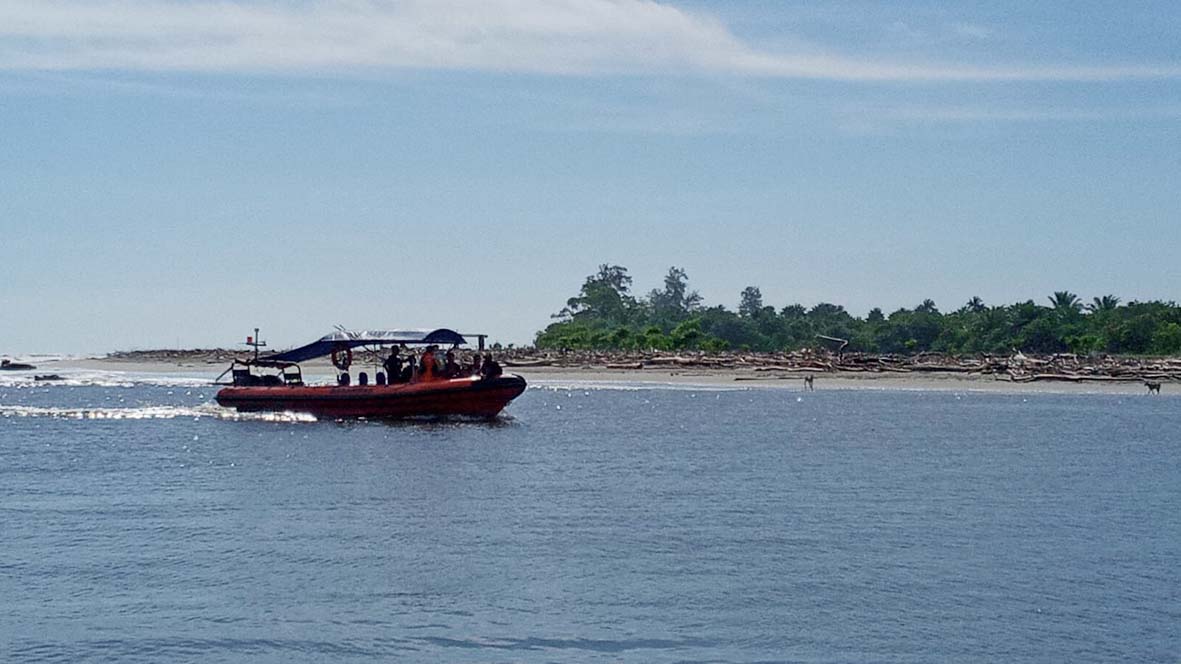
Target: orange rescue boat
(274, 383)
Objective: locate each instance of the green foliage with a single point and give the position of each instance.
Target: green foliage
(604, 315)
(1102, 304)
(1167, 339)
(751, 302)
(604, 297)
(688, 334)
(1066, 302)
(675, 302)
(714, 345)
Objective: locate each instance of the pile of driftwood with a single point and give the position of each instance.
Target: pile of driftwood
(1017, 367)
(193, 355)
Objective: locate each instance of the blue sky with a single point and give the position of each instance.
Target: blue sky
(178, 172)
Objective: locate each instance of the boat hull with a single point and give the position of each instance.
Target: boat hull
(472, 397)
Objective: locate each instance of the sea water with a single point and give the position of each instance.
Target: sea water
(141, 523)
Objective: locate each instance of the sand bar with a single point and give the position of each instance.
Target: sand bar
(322, 371)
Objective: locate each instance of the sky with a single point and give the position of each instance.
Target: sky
(174, 173)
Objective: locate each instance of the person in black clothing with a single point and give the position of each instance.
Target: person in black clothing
(450, 366)
(393, 366)
(491, 368)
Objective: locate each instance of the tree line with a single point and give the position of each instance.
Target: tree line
(606, 315)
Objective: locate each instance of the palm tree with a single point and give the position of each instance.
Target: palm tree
(975, 305)
(1066, 301)
(1105, 303)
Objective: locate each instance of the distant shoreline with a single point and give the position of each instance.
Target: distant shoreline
(1016, 368)
(541, 369)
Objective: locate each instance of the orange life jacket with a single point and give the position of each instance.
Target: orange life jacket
(428, 366)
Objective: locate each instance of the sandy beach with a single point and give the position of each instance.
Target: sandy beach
(322, 371)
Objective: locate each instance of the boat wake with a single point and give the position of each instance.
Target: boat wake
(67, 378)
(151, 413)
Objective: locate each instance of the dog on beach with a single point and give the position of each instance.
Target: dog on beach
(1153, 386)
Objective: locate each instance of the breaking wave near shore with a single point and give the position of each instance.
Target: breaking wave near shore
(99, 378)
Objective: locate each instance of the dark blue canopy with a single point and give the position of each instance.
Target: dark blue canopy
(350, 339)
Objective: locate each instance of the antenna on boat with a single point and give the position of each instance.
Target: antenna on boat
(256, 343)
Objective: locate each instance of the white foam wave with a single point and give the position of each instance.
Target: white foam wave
(85, 378)
(38, 358)
(151, 413)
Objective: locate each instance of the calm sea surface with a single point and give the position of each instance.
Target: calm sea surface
(141, 524)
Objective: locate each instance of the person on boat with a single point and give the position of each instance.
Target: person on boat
(475, 370)
(393, 366)
(427, 369)
(451, 368)
(491, 368)
(409, 370)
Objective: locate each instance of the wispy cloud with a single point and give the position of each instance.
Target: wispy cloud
(560, 37)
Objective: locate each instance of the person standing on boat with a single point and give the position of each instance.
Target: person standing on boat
(393, 366)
